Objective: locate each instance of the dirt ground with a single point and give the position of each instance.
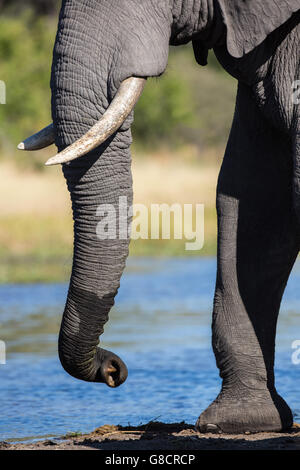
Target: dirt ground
(160, 436)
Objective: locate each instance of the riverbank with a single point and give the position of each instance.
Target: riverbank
(36, 219)
(160, 436)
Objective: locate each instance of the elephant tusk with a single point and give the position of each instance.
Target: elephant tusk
(38, 141)
(121, 106)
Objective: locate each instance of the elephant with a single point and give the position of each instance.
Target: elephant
(103, 54)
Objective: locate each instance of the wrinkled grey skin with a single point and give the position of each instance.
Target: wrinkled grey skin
(99, 44)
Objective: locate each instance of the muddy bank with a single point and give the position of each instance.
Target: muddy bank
(160, 436)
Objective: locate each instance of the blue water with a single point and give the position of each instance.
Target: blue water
(160, 326)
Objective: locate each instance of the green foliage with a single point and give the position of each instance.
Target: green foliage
(25, 56)
(166, 103)
(188, 104)
(40, 7)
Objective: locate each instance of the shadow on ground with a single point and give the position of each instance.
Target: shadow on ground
(161, 436)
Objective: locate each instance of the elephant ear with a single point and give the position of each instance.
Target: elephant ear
(249, 22)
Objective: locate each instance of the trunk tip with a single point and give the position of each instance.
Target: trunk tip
(113, 370)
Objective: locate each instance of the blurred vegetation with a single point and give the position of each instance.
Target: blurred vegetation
(25, 51)
(40, 7)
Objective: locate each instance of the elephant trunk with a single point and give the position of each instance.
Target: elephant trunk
(99, 46)
(98, 262)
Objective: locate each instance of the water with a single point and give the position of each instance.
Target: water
(160, 327)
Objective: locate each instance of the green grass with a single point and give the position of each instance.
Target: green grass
(39, 248)
(35, 248)
(33, 269)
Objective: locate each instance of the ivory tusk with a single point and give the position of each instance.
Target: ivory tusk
(38, 141)
(121, 106)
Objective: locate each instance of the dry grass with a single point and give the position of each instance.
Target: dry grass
(24, 192)
(157, 178)
(36, 219)
(165, 178)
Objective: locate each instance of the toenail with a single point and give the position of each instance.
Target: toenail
(213, 428)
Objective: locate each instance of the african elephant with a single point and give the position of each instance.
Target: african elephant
(104, 51)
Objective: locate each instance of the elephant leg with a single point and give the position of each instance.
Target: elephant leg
(258, 242)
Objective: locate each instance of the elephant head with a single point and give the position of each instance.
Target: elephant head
(104, 51)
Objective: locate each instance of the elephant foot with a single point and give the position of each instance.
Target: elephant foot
(235, 414)
(111, 369)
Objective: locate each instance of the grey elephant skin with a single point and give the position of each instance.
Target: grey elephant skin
(99, 44)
